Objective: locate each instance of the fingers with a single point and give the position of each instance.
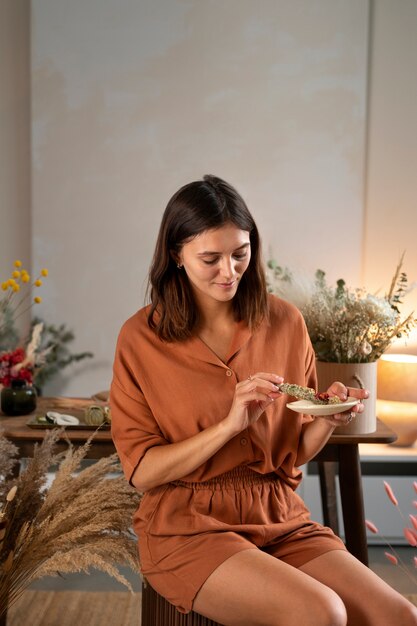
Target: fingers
(339, 389)
(340, 419)
(263, 382)
(354, 392)
(274, 378)
(343, 419)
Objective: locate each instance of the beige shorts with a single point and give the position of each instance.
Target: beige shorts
(186, 530)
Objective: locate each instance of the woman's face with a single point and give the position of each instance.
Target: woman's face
(215, 261)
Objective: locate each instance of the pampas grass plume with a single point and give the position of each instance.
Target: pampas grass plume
(11, 494)
(82, 521)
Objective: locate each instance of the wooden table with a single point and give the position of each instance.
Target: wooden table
(25, 437)
(340, 455)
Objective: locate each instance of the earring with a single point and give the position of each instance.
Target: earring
(179, 266)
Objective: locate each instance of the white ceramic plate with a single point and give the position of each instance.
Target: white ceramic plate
(309, 408)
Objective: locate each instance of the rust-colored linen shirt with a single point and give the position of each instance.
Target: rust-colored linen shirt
(163, 393)
(243, 496)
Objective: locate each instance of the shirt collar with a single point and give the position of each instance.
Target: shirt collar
(197, 349)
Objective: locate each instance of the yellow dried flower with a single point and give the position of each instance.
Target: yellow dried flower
(16, 274)
(11, 282)
(10, 496)
(37, 299)
(16, 287)
(25, 277)
(17, 263)
(38, 282)
(44, 272)
(5, 285)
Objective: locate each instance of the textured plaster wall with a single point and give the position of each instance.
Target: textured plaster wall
(133, 99)
(391, 185)
(15, 200)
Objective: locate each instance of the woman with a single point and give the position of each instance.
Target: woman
(203, 430)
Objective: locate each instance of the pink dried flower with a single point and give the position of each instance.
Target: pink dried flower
(390, 493)
(409, 535)
(371, 526)
(415, 504)
(391, 558)
(413, 519)
(415, 485)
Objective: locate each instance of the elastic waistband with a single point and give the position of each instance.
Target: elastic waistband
(236, 478)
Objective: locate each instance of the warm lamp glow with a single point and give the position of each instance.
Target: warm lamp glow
(399, 358)
(397, 395)
(397, 378)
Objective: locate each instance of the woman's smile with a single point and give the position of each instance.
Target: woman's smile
(228, 285)
(215, 261)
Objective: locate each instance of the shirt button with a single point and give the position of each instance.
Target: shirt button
(243, 441)
(229, 372)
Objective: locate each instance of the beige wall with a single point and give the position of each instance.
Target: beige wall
(15, 200)
(391, 189)
(131, 100)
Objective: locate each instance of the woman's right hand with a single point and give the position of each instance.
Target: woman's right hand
(252, 396)
(163, 464)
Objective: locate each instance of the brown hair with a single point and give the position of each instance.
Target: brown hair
(199, 206)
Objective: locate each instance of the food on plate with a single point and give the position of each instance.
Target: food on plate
(307, 393)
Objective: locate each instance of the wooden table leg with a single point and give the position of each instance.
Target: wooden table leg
(327, 476)
(350, 481)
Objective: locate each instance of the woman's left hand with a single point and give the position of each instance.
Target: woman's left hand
(343, 392)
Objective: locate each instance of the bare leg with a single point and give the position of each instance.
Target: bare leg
(252, 588)
(368, 599)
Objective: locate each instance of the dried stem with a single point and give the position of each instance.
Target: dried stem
(82, 521)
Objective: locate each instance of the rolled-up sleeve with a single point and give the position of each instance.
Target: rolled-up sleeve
(133, 426)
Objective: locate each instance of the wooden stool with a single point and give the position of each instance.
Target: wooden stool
(156, 611)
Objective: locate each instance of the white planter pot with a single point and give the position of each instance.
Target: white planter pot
(352, 375)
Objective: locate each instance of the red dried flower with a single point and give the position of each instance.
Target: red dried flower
(8, 370)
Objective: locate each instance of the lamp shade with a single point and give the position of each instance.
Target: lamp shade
(397, 378)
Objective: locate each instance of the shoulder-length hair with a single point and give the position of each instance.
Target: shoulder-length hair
(199, 206)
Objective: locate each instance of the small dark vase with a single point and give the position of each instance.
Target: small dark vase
(19, 399)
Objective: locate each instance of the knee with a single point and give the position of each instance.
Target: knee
(329, 611)
(323, 609)
(407, 614)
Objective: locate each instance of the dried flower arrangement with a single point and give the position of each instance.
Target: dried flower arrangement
(81, 521)
(45, 353)
(410, 532)
(16, 301)
(345, 325)
(21, 364)
(54, 353)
